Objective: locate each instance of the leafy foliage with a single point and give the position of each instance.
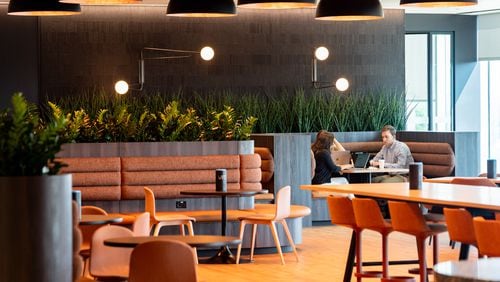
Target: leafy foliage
(28, 145)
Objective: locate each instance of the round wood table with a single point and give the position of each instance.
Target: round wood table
(480, 270)
(197, 241)
(224, 255)
(97, 219)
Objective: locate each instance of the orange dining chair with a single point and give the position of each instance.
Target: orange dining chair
(88, 231)
(165, 261)
(460, 227)
(342, 213)
(282, 211)
(109, 262)
(368, 216)
(487, 236)
(473, 181)
(141, 226)
(407, 218)
(159, 220)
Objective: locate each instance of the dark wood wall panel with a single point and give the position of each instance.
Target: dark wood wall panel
(255, 50)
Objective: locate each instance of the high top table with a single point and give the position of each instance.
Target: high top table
(481, 270)
(224, 255)
(452, 195)
(371, 170)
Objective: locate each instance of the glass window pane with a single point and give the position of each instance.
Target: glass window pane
(441, 91)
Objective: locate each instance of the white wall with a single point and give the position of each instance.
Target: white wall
(488, 37)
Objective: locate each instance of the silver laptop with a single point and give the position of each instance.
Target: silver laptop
(341, 157)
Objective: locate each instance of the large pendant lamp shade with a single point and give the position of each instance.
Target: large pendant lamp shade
(437, 3)
(42, 8)
(349, 10)
(201, 8)
(104, 2)
(276, 4)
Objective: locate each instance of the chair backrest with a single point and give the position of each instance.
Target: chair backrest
(93, 210)
(141, 226)
(109, 261)
(367, 214)
(407, 218)
(88, 230)
(473, 181)
(149, 204)
(283, 203)
(460, 227)
(165, 261)
(341, 211)
(487, 236)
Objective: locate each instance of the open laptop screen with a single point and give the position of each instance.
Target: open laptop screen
(341, 157)
(361, 160)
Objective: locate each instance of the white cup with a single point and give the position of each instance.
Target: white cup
(381, 164)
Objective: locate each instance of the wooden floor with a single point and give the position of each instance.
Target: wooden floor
(322, 258)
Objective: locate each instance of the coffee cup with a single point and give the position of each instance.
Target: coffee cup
(381, 164)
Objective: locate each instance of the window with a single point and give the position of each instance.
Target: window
(429, 81)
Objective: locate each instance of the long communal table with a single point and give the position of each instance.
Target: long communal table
(449, 195)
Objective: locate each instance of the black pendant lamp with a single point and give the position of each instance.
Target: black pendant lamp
(349, 10)
(42, 8)
(437, 3)
(276, 4)
(201, 8)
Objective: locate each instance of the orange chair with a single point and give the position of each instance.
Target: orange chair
(281, 213)
(165, 261)
(141, 226)
(109, 262)
(368, 216)
(342, 213)
(460, 227)
(88, 231)
(473, 181)
(488, 236)
(407, 218)
(159, 220)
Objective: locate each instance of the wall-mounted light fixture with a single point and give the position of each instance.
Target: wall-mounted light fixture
(276, 4)
(321, 54)
(437, 3)
(201, 8)
(121, 87)
(348, 10)
(42, 8)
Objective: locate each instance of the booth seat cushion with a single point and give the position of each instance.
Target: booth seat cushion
(250, 172)
(267, 163)
(96, 178)
(438, 158)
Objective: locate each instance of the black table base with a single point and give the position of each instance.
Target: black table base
(223, 256)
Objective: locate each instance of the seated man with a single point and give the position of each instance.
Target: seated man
(396, 154)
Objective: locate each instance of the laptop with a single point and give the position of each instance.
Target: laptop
(361, 159)
(341, 157)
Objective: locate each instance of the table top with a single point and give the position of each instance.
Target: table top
(432, 193)
(208, 241)
(376, 170)
(448, 179)
(96, 219)
(470, 270)
(240, 192)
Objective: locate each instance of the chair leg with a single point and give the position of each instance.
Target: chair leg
(182, 231)
(359, 262)
(242, 231)
(435, 250)
(276, 240)
(156, 231)
(190, 228)
(422, 259)
(290, 239)
(385, 257)
(254, 235)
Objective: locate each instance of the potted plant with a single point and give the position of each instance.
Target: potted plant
(35, 202)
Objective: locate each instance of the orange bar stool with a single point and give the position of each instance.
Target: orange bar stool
(407, 218)
(460, 227)
(488, 236)
(342, 213)
(368, 216)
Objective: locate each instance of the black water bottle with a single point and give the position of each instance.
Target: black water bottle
(416, 175)
(492, 169)
(76, 196)
(221, 180)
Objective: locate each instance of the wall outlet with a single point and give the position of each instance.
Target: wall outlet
(180, 204)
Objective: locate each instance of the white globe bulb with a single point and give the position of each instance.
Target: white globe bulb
(121, 87)
(321, 53)
(207, 53)
(342, 84)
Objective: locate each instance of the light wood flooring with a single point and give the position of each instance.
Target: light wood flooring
(323, 253)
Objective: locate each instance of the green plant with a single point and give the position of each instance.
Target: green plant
(27, 145)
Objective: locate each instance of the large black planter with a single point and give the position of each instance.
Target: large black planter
(36, 236)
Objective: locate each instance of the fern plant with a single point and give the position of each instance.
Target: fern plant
(27, 145)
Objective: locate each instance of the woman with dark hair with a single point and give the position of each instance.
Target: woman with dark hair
(326, 170)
